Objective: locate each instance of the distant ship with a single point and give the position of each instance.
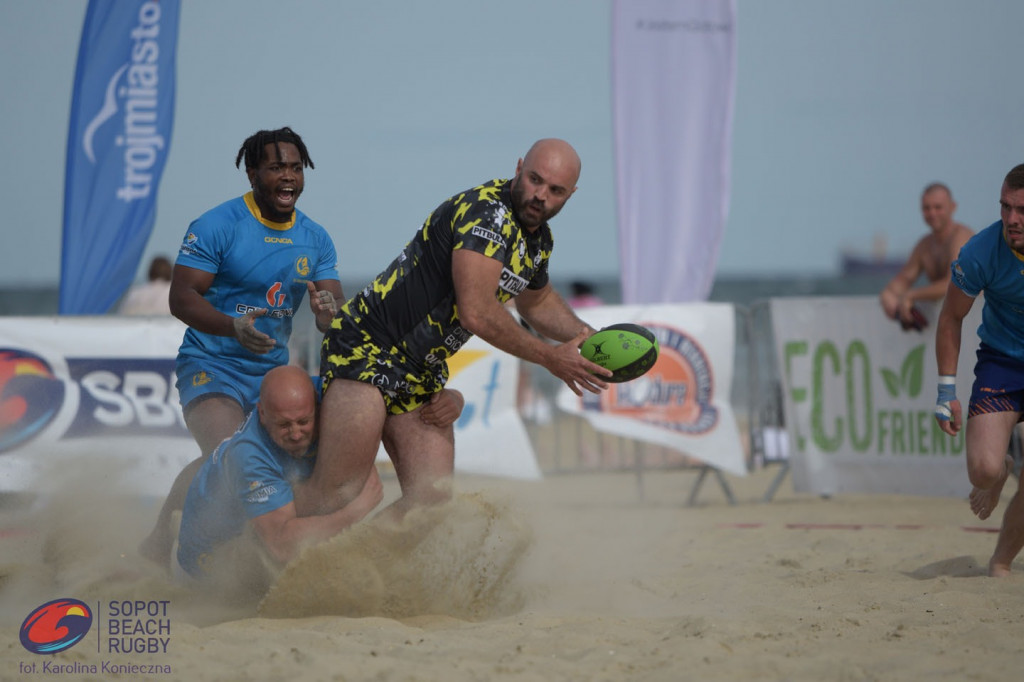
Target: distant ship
(854, 264)
(878, 262)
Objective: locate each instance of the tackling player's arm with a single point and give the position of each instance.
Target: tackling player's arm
(476, 279)
(188, 305)
(283, 532)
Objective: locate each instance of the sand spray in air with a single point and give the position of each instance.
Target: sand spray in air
(457, 559)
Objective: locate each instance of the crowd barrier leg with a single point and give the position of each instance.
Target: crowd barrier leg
(769, 494)
(722, 482)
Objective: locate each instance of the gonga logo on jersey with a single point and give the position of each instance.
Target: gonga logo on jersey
(30, 397)
(56, 626)
(675, 394)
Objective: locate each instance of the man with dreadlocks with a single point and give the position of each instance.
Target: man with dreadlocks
(240, 274)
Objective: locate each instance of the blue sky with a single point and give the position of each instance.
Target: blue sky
(844, 111)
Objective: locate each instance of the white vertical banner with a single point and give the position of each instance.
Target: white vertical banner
(673, 74)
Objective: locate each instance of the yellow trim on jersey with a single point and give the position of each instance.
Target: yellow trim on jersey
(1015, 252)
(250, 201)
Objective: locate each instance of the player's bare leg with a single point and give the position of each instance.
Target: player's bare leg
(210, 421)
(988, 465)
(1011, 537)
(352, 418)
(424, 459)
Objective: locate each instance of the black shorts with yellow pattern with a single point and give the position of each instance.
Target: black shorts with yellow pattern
(402, 384)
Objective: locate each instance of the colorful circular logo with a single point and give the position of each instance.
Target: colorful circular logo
(677, 393)
(56, 626)
(30, 397)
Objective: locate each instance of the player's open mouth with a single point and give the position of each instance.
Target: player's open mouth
(286, 196)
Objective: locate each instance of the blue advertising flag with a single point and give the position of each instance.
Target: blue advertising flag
(122, 109)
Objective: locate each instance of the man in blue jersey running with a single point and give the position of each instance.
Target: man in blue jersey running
(241, 273)
(991, 262)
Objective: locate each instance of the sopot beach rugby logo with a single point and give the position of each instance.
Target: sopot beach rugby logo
(56, 626)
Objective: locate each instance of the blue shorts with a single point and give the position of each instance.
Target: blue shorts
(998, 383)
(200, 379)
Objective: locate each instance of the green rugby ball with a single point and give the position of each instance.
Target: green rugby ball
(627, 349)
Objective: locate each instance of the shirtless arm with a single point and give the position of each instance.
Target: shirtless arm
(894, 292)
(476, 279)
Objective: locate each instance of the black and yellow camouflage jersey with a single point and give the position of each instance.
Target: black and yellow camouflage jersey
(397, 332)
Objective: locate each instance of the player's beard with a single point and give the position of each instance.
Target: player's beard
(520, 205)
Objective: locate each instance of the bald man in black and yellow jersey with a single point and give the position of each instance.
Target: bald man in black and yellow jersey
(384, 356)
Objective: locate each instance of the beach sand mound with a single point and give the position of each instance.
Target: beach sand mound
(458, 559)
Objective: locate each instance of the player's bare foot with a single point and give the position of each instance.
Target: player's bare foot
(983, 502)
(998, 570)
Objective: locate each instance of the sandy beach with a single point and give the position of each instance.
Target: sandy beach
(577, 577)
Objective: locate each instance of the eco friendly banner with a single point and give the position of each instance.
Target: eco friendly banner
(859, 397)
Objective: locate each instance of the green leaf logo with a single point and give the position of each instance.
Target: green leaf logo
(892, 382)
(910, 377)
(912, 371)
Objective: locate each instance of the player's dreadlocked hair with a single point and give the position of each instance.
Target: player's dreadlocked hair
(254, 149)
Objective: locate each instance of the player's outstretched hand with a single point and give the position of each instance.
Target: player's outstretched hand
(251, 338)
(323, 305)
(444, 408)
(576, 371)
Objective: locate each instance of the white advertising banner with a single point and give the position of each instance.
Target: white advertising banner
(683, 401)
(490, 438)
(859, 398)
(82, 394)
(673, 74)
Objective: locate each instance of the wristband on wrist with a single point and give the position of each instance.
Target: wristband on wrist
(947, 394)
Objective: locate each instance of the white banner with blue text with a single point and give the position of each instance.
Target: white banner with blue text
(95, 397)
(681, 403)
